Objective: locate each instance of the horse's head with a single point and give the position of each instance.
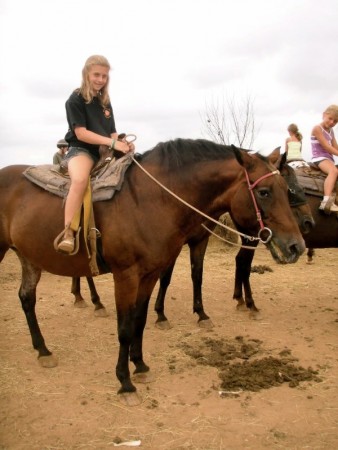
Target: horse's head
(269, 207)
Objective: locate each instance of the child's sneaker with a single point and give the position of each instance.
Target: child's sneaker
(328, 206)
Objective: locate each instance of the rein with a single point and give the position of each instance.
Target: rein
(250, 186)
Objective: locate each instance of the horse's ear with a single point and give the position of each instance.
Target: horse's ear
(282, 161)
(238, 154)
(243, 157)
(274, 157)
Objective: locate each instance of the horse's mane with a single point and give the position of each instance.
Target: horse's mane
(179, 152)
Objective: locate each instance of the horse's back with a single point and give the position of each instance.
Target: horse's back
(25, 210)
(14, 189)
(10, 177)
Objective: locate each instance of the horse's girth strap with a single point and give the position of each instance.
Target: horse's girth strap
(89, 229)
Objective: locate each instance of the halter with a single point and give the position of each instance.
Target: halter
(258, 213)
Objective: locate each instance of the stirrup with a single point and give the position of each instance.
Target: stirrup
(60, 237)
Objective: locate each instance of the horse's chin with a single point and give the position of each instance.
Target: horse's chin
(282, 254)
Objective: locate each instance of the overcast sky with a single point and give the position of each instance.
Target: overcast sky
(169, 58)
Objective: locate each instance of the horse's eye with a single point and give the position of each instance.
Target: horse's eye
(263, 192)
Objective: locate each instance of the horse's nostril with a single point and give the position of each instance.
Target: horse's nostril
(308, 225)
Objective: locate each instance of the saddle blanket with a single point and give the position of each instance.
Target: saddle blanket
(312, 180)
(104, 182)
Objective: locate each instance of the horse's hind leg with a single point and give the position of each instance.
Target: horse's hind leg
(100, 310)
(79, 302)
(27, 294)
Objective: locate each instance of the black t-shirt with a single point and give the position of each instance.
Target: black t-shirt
(93, 116)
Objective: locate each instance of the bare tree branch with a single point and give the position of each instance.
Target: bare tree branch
(232, 122)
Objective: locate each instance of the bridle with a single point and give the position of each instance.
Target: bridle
(258, 213)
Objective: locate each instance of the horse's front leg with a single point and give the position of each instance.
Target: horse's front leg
(136, 349)
(310, 253)
(126, 287)
(197, 253)
(242, 277)
(125, 321)
(27, 294)
(141, 373)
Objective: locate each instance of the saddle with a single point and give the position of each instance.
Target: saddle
(105, 179)
(311, 178)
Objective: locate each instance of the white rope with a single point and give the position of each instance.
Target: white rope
(250, 238)
(235, 244)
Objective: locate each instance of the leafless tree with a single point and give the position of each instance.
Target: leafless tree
(231, 122)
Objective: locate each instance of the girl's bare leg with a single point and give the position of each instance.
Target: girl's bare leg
(331, 170)
(79, 168)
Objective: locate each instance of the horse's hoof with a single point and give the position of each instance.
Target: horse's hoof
(163, 325)
(48, 361)
(206, 324)
(241, 307)
(80, 304)
(309, 262)
(254, 315)
(130, 398)
(102, 312)
(143, 377)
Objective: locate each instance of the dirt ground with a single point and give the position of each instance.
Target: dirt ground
(195, 402)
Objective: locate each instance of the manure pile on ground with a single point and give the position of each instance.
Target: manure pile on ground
(242, 369)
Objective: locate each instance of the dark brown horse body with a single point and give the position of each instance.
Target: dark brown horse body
(143, 229)
(198, 242)
(323, 235)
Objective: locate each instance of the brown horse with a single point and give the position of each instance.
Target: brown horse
(143, 229)
(323, 235)
(198, 242)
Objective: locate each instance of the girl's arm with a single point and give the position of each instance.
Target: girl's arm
(96, 139)
(334, 142)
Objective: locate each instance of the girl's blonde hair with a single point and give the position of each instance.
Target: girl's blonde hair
(333, 110)
(84, 90)
(292, 128)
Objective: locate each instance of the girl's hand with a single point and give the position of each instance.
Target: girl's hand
(122, 146)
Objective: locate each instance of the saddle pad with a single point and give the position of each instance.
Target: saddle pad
(312, 181)
(104, 184)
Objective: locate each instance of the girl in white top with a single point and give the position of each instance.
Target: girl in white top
(293, 147)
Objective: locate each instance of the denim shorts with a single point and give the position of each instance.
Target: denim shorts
(75, 151)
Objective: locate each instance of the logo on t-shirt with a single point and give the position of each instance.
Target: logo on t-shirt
(107, 113)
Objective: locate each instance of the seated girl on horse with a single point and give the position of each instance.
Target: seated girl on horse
(324, 147)
(91, 124)
(293, 147)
